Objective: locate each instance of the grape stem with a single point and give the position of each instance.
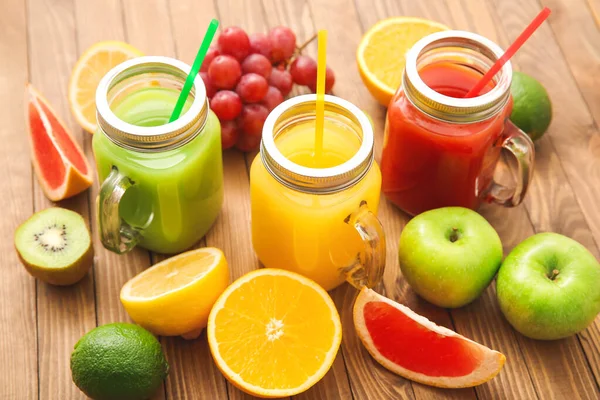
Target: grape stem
(303, 45)
(299, 49)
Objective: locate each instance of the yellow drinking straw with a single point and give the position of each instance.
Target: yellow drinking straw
(320, 108)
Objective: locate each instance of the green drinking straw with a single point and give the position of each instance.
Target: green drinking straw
(189, 81)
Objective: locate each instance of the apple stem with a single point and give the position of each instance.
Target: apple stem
(554, 274)
(454, 235)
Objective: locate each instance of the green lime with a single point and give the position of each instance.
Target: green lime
(532, 109)
(118, 362)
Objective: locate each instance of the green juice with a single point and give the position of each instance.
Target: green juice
(177, 193)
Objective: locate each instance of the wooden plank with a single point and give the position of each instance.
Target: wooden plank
(368, 380)
(97, 21)
(562, 197)
(193, 373)
(549, 179)
(594, 9)
(247, 14)
(112, 270)
(232, 232)
(485, 312)
(149, 29)
(297, 15)
(483, 320)
(18, 330)
(581, 49)
(64, 314)
(573, 137)
(551, 174)
(569, 144)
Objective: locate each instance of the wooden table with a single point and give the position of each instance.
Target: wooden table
(40, 41)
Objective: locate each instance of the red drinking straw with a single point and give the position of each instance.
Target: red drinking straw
(512, 49)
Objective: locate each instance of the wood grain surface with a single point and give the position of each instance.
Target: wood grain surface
(40, 40)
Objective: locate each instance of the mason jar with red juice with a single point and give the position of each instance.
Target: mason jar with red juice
(440, 148)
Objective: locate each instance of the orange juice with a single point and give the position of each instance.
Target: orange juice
(308, 213)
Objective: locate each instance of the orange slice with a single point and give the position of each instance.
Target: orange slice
(91, 67)
(382, 49)
(413, 347)
(175, 296)
(58, 161)
(274, 333)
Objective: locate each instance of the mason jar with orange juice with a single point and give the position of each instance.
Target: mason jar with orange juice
(314, 213)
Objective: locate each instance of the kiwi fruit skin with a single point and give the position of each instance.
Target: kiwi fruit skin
(64, 276)
(68, 275)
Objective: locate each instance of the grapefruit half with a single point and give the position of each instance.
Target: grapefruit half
(411, 346)
(59, 163)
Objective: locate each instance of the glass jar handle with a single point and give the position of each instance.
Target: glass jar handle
(116, 234)
(520, 145)
(368, 268)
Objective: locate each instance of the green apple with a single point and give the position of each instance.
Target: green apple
(449, 255)
(549, 287)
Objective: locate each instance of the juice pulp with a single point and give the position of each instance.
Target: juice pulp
(303, 232)
(429, 163)
(177, 194)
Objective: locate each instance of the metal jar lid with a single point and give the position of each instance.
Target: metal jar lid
(151, 138)
(462, 47)
(315, 180)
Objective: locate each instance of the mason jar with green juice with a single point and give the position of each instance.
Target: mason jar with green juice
(161, 182)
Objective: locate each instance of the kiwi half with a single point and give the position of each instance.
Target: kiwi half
(55, 246)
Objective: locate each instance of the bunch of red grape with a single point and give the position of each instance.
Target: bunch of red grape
(247, 76)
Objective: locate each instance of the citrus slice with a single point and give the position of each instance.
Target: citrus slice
(174, 297)
(411, 346)
(58, 161)
(274, 333)
(382, 49)
(91, 67)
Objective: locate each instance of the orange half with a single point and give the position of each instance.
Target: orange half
(274, 333)
(91, 67)
(381, 52)
(59, 163)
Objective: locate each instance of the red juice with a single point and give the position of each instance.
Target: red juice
(428, 162)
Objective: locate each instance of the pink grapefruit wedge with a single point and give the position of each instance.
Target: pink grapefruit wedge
(59, 162)
(411, 346)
